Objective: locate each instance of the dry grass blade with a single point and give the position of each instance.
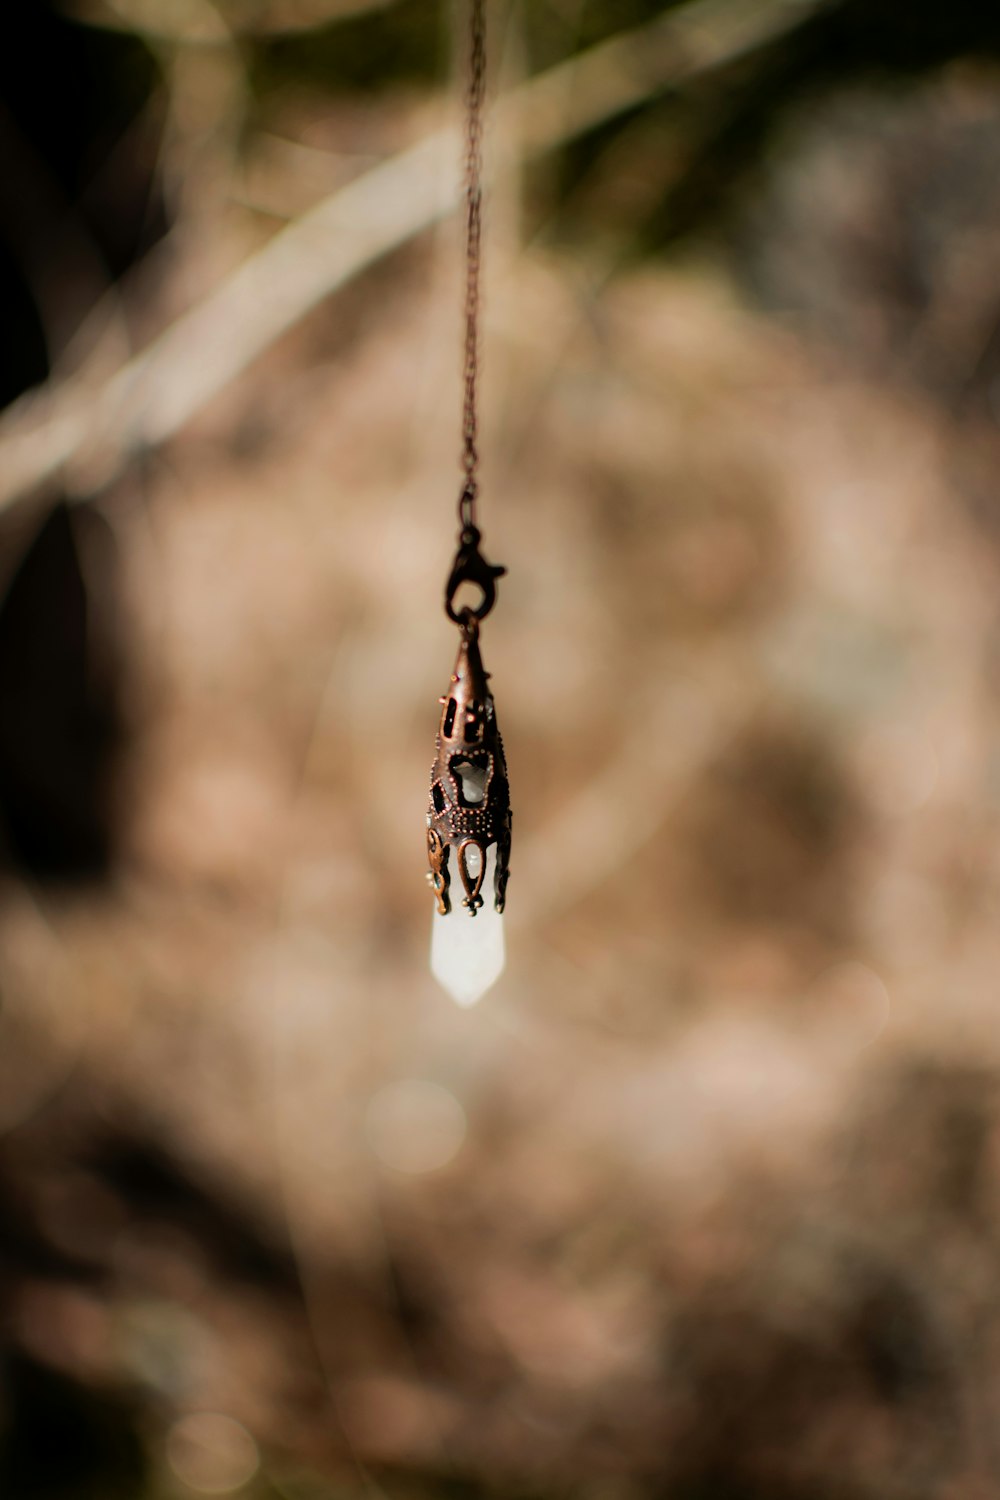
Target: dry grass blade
(155, 393)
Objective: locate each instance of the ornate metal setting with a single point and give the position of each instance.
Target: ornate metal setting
(469, 808)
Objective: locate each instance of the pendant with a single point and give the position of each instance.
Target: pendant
(469, 816)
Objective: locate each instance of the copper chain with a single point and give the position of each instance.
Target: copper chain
(470, 566)
(473, 256)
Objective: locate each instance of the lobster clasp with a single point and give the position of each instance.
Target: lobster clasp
(470, 566)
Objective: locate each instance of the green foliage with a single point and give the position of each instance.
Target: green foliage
(375, 50)
(554, 32)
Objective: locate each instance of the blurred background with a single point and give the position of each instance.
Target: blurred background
(701, 1202)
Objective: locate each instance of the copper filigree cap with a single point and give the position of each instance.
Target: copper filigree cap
(469, 806)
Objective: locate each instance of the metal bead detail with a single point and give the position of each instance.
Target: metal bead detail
(469, 807)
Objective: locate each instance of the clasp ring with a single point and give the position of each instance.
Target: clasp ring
(470, 566)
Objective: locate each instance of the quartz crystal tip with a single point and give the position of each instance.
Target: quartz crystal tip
(467, 956)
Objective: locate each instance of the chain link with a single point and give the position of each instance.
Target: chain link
(473, 256)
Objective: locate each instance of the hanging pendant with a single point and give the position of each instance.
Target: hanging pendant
(469, 816)
(468, 820)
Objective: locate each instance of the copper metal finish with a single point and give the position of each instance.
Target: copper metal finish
(470, 566)
(471, 811)
(474, 96)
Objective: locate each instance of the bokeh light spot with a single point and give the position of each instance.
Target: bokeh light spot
(212, 1453)
(852, 1002)
(415, 1126)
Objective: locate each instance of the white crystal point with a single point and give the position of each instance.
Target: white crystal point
(467, 952)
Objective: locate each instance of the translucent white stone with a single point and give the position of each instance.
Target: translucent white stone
(467, 952)
(473, 779)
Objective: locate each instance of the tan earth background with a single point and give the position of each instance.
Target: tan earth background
(702, 1201)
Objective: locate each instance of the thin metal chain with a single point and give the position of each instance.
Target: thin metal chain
(473, 255)
(470, 566)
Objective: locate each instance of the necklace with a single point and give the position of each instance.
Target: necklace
(469, 817)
